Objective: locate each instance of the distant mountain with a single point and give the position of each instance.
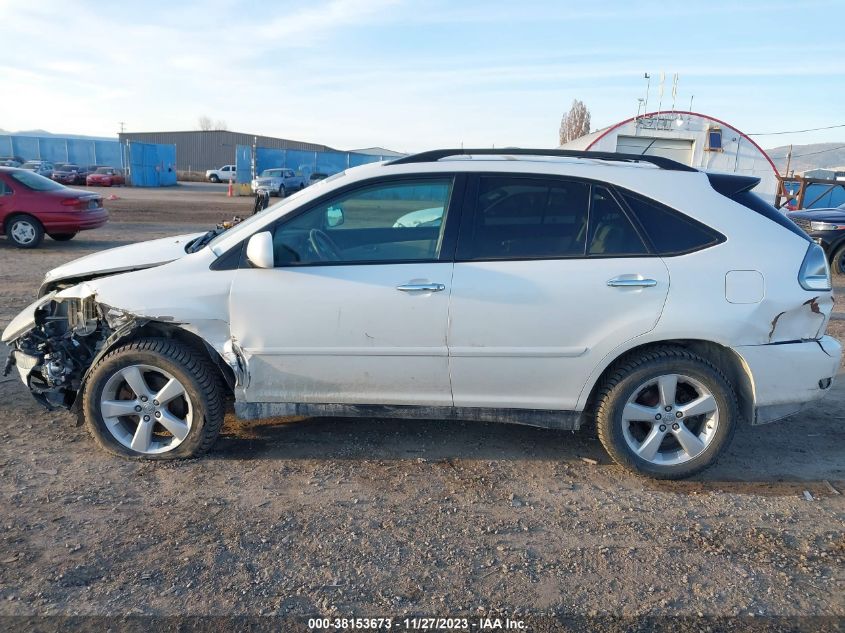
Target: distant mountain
(46, 133)
(812, 156)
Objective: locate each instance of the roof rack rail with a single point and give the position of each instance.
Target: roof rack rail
(436, 154)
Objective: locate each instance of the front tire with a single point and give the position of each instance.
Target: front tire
(214, 179)
(153, 398)
(666, 413)
(24, 231)
(282, 191)
(837, 263)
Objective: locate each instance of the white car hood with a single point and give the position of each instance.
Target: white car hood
(124, 258)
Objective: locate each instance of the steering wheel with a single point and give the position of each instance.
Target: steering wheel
(323, 245)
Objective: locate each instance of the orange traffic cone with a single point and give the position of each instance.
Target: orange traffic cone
(230, 192)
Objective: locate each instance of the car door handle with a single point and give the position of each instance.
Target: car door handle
(421, 287)
(631, 282)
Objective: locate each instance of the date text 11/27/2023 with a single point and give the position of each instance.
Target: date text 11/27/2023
(417, 624)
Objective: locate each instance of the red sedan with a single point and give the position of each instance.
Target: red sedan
(105, 177)
(32, 205)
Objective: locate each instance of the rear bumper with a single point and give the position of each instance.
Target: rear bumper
(73, 221)
(788, 376)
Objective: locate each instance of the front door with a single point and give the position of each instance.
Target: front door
(550, 276)
(355, 310)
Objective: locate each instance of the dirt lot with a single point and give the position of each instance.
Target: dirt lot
(399, 518)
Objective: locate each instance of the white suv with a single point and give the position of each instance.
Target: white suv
(547, 288)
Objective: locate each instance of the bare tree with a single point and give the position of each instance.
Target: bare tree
(205, 123)
(221, 125)
(575, 123)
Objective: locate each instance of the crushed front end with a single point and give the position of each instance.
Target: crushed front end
(55, 341)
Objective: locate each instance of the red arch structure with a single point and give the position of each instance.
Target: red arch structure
(698, 114)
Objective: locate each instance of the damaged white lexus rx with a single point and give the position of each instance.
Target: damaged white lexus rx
(548, 288)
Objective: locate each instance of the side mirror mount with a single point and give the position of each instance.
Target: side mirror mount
(334, 217)
(259, 250)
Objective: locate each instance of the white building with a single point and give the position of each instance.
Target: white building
(691, 138)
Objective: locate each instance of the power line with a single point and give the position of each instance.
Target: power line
(813, 129)
(832, 149)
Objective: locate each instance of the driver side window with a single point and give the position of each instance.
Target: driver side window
(400, 221)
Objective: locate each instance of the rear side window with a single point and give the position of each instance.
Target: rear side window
(670, 232)
(611, 232)
(521, 218)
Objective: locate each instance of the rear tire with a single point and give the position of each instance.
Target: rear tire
(122, 409)
(645, 416)
(282, 191)
(24, 231)
(62, 237)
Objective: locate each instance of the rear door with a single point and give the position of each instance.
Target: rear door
(550, 276)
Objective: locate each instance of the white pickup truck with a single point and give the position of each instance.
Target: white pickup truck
(223, 174)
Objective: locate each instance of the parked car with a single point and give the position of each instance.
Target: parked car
(32, 205)
(827, 229)
(316, 177)
(278, 181)
(68, 174)
(224, 174)
(422, 217)
(542, 298)
(40, 167)
(6, 161)
(105, 177)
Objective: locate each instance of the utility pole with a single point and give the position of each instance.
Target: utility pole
(788, 161)
(122, 126)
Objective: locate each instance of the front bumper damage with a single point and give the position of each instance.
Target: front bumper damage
(57, 339)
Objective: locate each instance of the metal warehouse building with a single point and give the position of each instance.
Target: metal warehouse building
(697, 140)
(200, 150)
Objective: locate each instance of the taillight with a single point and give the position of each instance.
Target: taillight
(78, 203)
(815, 272)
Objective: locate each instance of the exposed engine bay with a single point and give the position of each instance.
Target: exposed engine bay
(54, 356)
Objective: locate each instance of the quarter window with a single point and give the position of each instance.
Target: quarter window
(398, 221)
(529, 218)
(670, 232)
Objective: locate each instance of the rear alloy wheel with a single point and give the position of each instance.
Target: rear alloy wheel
(668, 413)
(214, 178)
(153, 399)
(24, 231)
(62, 237)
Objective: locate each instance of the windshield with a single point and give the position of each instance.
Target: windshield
(31, 165)
(35, 182)
(105, 170)
(271, 172)
(69, 168)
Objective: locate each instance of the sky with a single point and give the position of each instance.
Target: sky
(411, 75)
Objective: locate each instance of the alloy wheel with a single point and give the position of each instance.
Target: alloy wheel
(670, 419)
(146, 409)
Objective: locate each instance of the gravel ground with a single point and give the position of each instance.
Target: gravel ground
(390, 518)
